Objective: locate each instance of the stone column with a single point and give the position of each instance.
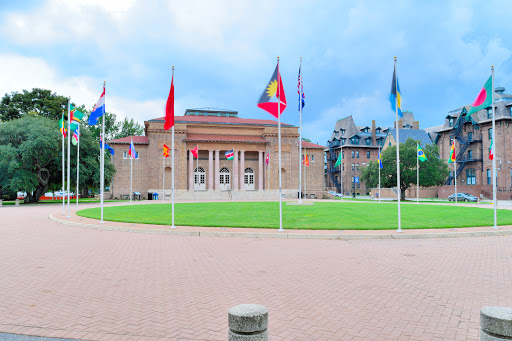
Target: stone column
(260, 171)
(190, 171)
(217, 169)
(248, 322)
(495, 323)
(210, 170)
(242, 169)
(235, 172)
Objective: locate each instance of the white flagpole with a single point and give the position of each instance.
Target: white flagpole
(268, 174)
(495, 176)
(77, 163)
(69, 152)
(397, 152)
(131, 170)
(341, 172)
(172, 174)
(196, 177)
(300, 131)
(163, 178)
(380, 160)
(279, 142)
(455, 170)
(63, 165)
(102, 162)
(417, 177)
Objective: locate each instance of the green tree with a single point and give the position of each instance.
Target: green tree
(306, 139)
(38, 102)
(112, 127)
(433, 172)
(129, 128)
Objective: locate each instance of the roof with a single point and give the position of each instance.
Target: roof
(350, 130)
(311, 145)
(225, 138)
(220, 120)
(416, 134)
(127, 139)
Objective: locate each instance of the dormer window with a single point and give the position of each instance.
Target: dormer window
(377, 131)
(451, 122)
(342, 131)
(366, 129)
(343, 141)
(369, 141)
(489, 112)
(354, 140)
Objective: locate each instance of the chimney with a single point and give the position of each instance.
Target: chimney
(374, 136)
(499, 90)
(400, 124)
(416, 125)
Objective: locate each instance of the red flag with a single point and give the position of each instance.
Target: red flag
(169, 108)
(305, 160)
(273, 93)
(195, 151)
(166, 151)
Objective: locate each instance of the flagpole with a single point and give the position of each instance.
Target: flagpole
(163, 178)
(417, 177)
(77, 163)
(380, 160)
(63, 127)
(172, 155)
(279, 142)
(455, 170)
(341, 172)
(495, 176)
(300, 131)
(268, 173)
(69, 152)
(102, 162)
(231, 178)
(397, 151)
(131, 169)
(196, 177)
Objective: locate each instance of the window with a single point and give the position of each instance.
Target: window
(353, 166)
(368, 154)
(357, 166)
(343, 166)
(451, 122)
(471, 176)
(342, 155)
(470, 154)
(490, 134)
(354, 140)
(357, 154)
(125, 154)
(377, 131)
(343, 141)
(470, 136)
(358, 185)
(489, 112)
(353, 154)
(369, 141)
(489, 177)
(510, 110)
(343, 131)
(365, 130)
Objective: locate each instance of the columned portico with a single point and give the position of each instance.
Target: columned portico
(210, 170)
(260, 171)
(190, 171)
(217, 167)
(235, 172)
(242, 169)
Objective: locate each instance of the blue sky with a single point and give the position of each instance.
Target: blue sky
(225, 51)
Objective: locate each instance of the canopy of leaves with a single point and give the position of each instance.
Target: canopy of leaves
(38, 102)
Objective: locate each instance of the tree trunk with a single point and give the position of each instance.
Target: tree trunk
(43, 179)
(402, 194)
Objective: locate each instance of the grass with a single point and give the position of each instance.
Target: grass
(72, 201)
(321, 215)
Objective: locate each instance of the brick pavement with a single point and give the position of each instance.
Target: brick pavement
(63, 281)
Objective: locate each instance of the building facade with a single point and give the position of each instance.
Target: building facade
(212, 175)
(472, 137)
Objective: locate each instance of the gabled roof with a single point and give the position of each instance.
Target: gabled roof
(136, 140)
(312, 145)
(416, 134)
(225, 138)
(220, 120)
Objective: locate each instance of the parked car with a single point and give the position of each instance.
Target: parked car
(463, 197)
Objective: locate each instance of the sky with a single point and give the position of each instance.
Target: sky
(225, 51)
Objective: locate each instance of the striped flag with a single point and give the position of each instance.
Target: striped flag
(300, 88)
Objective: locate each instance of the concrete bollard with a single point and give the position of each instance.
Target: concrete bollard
(17, 202)
(248, 322)
(495, 323)
(1, 202)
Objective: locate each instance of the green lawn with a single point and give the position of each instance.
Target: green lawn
(72, 201)
(321, 215)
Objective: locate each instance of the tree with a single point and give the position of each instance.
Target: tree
(38, 102)
(433, 172)
(130, 128)
(306, 139)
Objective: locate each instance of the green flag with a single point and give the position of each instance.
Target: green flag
(421, 155)
(76, 117)
(338, 162)
(484, 98)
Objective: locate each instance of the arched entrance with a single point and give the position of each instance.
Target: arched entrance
(249, 179)
(225, 184)
(284, 179)
(199, 179)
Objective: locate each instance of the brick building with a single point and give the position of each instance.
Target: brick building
(473, 138)
(212, 176)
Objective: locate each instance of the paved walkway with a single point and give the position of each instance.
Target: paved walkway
(59, 280)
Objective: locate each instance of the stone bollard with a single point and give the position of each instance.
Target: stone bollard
(17, 202)
(495, 323)
(248, 322)
(1, 202)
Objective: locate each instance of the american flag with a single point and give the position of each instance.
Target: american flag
(300, 89)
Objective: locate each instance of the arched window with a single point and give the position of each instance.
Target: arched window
(199, 178)
(224, 179)
(249, 179)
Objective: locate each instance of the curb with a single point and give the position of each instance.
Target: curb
(285, 235)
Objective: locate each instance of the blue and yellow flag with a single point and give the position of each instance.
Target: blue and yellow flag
(396, 96)
(380, 160)
(421, 155)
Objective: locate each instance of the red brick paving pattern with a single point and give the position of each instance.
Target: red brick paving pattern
(64, 281)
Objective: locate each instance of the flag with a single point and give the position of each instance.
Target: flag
(421, 155)
(338, 162)
(169, 108)
(380, 160)
(62, 126)
(396, 96)
(452, 153)
(132, 151)
(267, 159)
(300, 89)
(74, 140)
(230, 154)
(305, 161)
(107, 147)
(98, 110)
(166, 151)
(76, 117)
(195, 151)
(491, 154)
(484, 98)
(273, 93)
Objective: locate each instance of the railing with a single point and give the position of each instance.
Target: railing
(470, 158)
(334, 144)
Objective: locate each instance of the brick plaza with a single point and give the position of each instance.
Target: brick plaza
(65, 281)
